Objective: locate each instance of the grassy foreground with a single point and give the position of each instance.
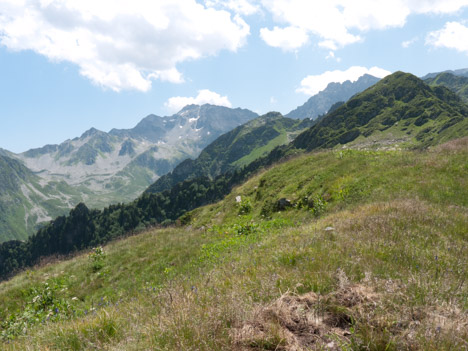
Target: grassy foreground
(371, 255)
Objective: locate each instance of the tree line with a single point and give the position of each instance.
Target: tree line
(84, 228)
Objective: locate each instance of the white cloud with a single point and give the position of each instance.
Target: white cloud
(406, 44)
(337, 23)
(120, 44)
(454, 35)
(436, 6)
(205, 96)
(273, 100)
(289, 38)
(312, 85)
(243, 7)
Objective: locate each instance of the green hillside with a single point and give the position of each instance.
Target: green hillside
(341, 250)
(235, 149)
(24, 201)
(458, 84)
(400, 109)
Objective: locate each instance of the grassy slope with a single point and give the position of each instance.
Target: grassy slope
(399, 220)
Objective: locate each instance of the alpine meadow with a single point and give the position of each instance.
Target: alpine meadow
(340, 223)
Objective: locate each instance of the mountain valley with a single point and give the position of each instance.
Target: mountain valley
(343, 231)
(101, 168)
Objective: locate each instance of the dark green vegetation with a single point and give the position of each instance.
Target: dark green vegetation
(458, 84)
(400, 108)
(235, 149)
(370, 255)
(320, 104)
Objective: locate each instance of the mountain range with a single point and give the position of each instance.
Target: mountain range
(463, 72)
(343, 232)
(321, 103)
(100, 168)
(235, 149)
(398, 111)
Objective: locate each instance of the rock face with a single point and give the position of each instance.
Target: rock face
(322, 102)
(100, 168)
(235, 149)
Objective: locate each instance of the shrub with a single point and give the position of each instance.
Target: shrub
(96, 258)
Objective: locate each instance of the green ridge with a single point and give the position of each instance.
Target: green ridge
(400, 108)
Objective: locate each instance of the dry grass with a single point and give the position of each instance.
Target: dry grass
(455, 145)
(308, 321)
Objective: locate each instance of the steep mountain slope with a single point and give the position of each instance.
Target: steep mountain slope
(100, 168)
(321, 103)
(234, 149)
(458, 84)
(368, 256)
(117, 166)
(25, 201)
(400, 108)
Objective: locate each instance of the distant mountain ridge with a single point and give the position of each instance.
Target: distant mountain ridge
(119, 165)
(234, 149)
(463, 72)
(321, 103)
(101, 168)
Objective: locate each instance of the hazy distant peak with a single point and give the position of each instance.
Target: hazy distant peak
(91, 132)
(321, 103)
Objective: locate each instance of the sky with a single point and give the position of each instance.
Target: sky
(69, 65)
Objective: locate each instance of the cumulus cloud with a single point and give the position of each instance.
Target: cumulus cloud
(453, 35)
(205, 96)
(337, 23)
(288, 39)
(313, 84)
(120, 44)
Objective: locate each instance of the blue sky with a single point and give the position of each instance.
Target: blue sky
(69, 65)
